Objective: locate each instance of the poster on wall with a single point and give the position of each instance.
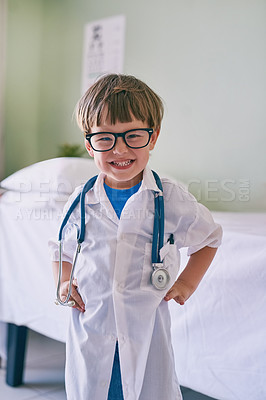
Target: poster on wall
(103, 49)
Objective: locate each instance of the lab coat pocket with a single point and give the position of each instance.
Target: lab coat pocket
(171, 262)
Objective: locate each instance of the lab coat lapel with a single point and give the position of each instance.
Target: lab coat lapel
(149, 181)
(97, 195)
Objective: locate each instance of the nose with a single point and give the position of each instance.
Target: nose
(120, 146)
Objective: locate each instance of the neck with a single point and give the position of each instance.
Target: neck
(123, 184)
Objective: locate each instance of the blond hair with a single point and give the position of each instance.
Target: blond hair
(119, 97)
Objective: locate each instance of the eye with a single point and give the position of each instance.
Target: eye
(103, 138)
(135, 135)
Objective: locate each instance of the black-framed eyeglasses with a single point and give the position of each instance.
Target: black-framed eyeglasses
(134, 138)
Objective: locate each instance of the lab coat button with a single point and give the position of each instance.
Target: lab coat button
(122, 339)
(104, 383)
(119, 286)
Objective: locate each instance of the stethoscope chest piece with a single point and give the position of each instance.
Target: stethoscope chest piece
(160, 278)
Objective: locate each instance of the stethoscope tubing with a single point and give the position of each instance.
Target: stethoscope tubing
(58, 300)
(157, 242)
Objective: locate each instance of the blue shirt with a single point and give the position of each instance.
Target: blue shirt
(119, 197)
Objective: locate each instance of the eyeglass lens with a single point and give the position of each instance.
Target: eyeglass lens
(105, 141)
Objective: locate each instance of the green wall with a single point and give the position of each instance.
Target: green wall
(206, 58)
(42, 79)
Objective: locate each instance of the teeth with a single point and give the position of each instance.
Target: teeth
(122, 163)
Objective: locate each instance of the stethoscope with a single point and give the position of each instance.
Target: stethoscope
(159, 276)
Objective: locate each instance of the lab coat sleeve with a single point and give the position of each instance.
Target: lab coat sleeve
(69, 234)
(203, 231)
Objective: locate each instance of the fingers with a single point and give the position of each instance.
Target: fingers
(79, 305)
(175, 295)
(169, 295)
(180, 300)
(75, 296)
(180, 292)
(75, 282)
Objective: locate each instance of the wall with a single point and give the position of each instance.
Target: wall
(43, 79)
(3, 8)
(206, 58)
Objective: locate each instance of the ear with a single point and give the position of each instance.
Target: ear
(88, 147)
(154, 138)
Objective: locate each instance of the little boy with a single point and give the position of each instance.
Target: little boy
(119, 341)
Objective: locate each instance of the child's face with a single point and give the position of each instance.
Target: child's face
(122, 165)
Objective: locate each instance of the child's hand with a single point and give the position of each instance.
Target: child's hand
(75, 296)
(180, 292)
(191, 276)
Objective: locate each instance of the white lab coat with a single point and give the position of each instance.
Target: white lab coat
(113, 273)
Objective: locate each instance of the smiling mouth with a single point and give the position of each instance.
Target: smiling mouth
(122, 163)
